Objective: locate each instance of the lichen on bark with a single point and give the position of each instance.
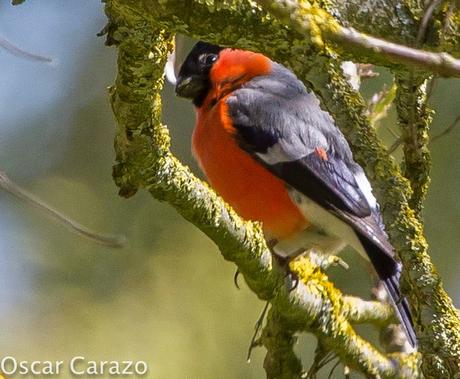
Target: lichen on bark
(142, 33)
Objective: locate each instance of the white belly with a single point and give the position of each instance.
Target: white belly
(328, 233)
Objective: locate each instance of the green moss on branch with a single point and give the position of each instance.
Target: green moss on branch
(143, 156)
(414, 118)
(436, 318)
(319, 27)
(437, 321)
(144, 161)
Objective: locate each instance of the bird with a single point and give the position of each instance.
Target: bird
(270, 151)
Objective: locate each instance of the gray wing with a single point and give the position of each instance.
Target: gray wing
(282, 125)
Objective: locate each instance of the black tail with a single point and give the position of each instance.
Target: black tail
(389, 272)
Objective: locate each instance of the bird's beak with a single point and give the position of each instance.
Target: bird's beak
(190, 86)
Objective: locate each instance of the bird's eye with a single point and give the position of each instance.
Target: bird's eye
(210, 59)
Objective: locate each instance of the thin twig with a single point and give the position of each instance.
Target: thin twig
(435, 138)
(12, 49)
(333, 369)
(321, 359)
(10, 186)
(257, 329)
(393, 132)
(441, 63)
(395, 145)
(446, 130)
(425, 19)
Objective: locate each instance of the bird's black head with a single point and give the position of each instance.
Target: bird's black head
(193, 81)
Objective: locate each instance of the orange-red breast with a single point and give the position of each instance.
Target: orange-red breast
(271, 152)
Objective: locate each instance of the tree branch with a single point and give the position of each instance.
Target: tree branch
(144, 161)
(400, 21)
(437, 321)
(414, 119)
(321, 28)
(13, 49)
(336, 334)
(390, 19)
(359, 311)
(280, 360)
(14, 189)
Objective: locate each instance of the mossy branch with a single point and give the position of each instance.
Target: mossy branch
(321, 28)
(400, 22)
(144, 159)
(414, 119)
(436, 318)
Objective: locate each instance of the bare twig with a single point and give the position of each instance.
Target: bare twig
(8, 46)
(447, 130)
(321, 359)
(333, 369)
(425, 20)
(395, 145)
(8, 185)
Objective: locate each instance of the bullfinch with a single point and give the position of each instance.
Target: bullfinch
(267, 147)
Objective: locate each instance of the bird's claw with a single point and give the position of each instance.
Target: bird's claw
(292, 280)
(235, 278)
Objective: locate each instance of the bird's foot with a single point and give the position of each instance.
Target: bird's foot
(290, 278)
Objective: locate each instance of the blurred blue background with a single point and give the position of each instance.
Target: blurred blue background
(167, 297)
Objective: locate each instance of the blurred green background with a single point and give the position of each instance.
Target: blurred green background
(168, 297)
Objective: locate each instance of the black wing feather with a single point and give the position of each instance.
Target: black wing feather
(328, 182)
(277, 112)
